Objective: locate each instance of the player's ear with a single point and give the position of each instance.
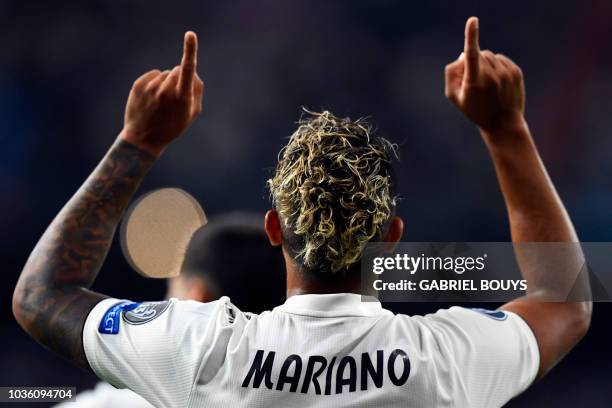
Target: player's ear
(396, 229)
(273, 228)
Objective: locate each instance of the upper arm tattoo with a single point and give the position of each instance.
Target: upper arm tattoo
(51, 300)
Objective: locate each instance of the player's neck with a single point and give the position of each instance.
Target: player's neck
(299, 283)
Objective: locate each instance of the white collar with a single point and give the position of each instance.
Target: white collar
(333, 305)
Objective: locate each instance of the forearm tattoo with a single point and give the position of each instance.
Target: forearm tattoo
(51, 300)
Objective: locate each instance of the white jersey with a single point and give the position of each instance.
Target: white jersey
(314, 350)
(105, 395)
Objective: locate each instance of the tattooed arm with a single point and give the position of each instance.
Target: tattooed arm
(52, 300)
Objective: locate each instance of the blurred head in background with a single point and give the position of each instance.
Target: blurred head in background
(231, 256)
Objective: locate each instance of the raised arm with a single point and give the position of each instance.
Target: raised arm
(51, 300)
(488, 88)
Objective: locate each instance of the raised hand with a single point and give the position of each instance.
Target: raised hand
(488, 88)
(162, 104)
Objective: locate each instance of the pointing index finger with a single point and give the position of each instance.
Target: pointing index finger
(188, 63)
(471, 48)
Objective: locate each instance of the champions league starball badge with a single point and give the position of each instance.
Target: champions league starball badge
(145, 312)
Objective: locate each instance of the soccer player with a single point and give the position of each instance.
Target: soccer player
(226, 249)
(220, 261)
(332, 193)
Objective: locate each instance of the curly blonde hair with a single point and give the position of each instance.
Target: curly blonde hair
(333, 191)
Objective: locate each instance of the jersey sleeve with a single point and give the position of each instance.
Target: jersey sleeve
(153, 348)
(493, 352)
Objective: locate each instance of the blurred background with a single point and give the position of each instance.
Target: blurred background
(66, 69)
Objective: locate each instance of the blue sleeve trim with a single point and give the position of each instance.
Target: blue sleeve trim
(493, 314)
